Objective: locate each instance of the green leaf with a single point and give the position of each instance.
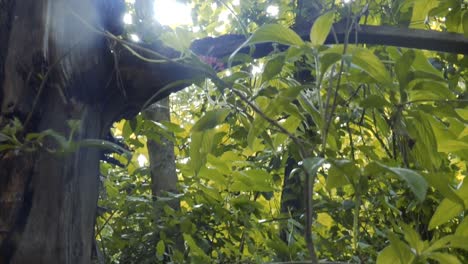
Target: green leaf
(415, 181)
(160, 249)
(403, 66)
(195, 250)
(363, 59)
(449, 241)
(367, 61)
(327, 60)
(444, 258)
(462, 112)
(201, 144)
(273, 67)
(388, 256)
(341, 173)
(210, 192)
(401, 249)
(273, 108)
(252, 180)
(462, 229)
(313, 164)
(451, 146)
(396, 253)
(210, 120)
(427, 89)
(448, 209)
(271, 33)
(321, 28)
(413, 238)
(465, 24)
(275, 33)
(374, 101)
(213, 175)
(444, 212)
(421, 9)
(442, 183)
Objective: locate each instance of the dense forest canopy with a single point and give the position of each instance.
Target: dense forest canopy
(306, 131)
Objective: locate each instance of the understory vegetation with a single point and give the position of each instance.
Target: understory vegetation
(344, 152)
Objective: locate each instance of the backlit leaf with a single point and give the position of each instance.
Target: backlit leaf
(321, 28)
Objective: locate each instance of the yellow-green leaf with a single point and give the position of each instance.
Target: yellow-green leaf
(275, 33)
(321, 28)
(210, 120)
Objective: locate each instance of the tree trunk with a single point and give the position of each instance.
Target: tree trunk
(161, 156)
(53, 72)
(163, 170)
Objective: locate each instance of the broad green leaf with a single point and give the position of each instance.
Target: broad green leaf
(421, 9)
(213, 175)
(403, 66)
(449, 241)
(374, 101)
(313, 164)
(251, 180)
(201, 144)
(463, 134)
(210, 192)
(365, 60)
(415, 181)
(413, 238)
(291, 124)
(275, 33)
(403, 251)
(448, 209)
(444, 258)
(426, 89)
(210, 120)
(273, 67)
(336, 178)
(423, 68)
(325, 220)
(451, 146)
(442, 183)
(271, 109)
(160, 249)
(195, 250)
(341, 173)
(462, 112)
(465, 24)
(388, 256)
(327, 60)
(462, 229)
(321, 28)
(271, 33)
(425, 147)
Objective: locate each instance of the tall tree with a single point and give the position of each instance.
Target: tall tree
(58, 68)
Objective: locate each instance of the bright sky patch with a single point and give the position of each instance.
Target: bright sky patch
(172, 13)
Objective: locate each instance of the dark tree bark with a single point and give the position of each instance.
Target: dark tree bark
(48, 200)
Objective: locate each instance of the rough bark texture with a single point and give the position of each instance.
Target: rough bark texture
(161, 155)
(48, 200)
(163, 168)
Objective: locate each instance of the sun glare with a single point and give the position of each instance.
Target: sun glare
(273, 10)
(172, 13)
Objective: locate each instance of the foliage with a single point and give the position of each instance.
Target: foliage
(379, 134)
